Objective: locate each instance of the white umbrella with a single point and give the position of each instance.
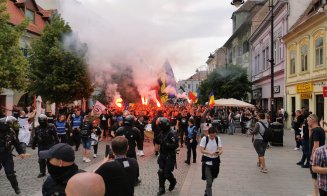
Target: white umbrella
(231, 102)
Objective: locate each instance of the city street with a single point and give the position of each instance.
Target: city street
(239, 174)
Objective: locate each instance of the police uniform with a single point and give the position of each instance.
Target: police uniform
(132, 134)
(45, 137)
(77, 122)
(61, 130)
(8, 139)
(167, 157)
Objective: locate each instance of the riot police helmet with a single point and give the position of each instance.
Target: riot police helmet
(164, 124)
(43, 120)
(129, 120)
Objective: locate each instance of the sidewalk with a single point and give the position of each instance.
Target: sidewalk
(239, 175)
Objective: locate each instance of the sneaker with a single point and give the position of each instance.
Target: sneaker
(296, 148)
(141, 153)
(41, 175)
(305, 166)
(172, 185)
(264, 170)
(17, 190)
(94, 156)
(187, 162)
(299, 163)
(84, 159)
(87, 160)
(161, 191)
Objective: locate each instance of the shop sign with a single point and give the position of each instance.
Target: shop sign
(276, 89)
(306, 95)
(324, 91)
(306, 87)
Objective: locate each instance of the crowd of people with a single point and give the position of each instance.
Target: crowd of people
(173, 126)
(310, 137)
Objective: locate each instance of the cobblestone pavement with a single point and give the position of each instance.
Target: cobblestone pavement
(28, 169)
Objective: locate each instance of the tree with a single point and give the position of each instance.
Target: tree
(56, 73)
(230, 83)
(13, 64)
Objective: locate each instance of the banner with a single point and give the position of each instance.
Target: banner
(98, 107)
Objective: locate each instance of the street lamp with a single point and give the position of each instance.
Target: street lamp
(271, 60)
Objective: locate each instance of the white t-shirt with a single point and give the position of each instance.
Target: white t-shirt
(211, 146)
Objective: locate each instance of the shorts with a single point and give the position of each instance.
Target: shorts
(86, 143)
(313, 175)
(260, 147)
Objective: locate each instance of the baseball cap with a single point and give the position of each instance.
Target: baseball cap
(59, 151)
(119, 118)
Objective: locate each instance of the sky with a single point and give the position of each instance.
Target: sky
(152, 31)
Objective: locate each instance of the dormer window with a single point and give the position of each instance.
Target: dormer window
(30, 15)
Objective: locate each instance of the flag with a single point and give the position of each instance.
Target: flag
(98, 107)
(211, 99)
(192, 96)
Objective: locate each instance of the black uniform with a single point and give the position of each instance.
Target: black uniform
(141, 128)
(8, 139)
(167, 159)
(45, 137)
(56, 184)
(133, 136)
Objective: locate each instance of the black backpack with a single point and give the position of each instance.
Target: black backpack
(268, 135)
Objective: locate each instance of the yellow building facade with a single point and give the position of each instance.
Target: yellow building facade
(306, 70)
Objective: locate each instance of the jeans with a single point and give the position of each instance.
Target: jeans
(209, 181)
(305, 150)
(231, 129)
(191, 147)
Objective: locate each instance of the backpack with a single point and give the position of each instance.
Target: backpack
(207, 141)
(268, 135)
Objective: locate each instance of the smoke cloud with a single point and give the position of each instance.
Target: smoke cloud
(128, 41)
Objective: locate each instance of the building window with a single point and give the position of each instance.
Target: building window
(319, 45)
(189, 86)
(264, 60)
(304, 58)
(240, 51)
(292, 62)
(267, 58)
(245, 47)
(280, 52)
(30, 15)
(275, 52)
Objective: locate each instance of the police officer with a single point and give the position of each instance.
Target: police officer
(8, 139)
(45, 137)
(134, 138)
(77, 122)
(132, 134)
(167, 156)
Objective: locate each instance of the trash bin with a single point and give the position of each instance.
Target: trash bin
(278, 130)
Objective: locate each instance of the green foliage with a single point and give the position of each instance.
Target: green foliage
(13, 64)
(56, 73)
(230, 83)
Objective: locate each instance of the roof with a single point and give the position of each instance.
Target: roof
(307, 14)
(249, 5)
(16, 10)
(200, 75)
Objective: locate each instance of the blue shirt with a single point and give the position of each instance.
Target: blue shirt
(77, 122)
(191, 132)
(61, 127)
